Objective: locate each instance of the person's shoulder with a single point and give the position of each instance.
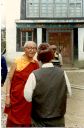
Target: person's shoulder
(36, 62)
(17, 59)
(59, 69)
(2, 57)
(37, 70)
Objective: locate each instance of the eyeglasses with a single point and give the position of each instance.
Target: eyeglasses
(54, 48)
(31, 48)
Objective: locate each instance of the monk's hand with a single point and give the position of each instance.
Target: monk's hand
(7, 102)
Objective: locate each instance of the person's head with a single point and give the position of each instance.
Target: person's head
(54, 48)
(45, 53)
(30, 49)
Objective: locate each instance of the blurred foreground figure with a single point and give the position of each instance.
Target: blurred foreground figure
(17, 108)
(47, 89)
(4, 70)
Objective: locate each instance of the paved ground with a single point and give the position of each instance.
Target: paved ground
(3, 116)
(75, 105)
(75, 109)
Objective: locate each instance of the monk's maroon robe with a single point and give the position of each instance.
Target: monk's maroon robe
(20, 110)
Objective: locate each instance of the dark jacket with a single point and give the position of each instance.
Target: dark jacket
(3, 69)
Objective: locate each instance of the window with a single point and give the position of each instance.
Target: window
(32, 8)
(60, 8)
(46, 8)
(22, 37)
(25, 36)
(75, 8)
(54, 8)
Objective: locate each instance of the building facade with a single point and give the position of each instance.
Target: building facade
(59, 22)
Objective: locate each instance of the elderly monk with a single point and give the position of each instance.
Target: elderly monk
(17, 108)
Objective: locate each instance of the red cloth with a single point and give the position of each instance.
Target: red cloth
(20, 110)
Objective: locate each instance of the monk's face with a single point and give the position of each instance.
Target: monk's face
(30, 49)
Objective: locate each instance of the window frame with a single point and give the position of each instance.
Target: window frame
(20, 44)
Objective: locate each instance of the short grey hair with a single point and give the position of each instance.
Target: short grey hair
(27, 42)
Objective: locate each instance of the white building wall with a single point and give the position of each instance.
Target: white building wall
(80, 43)
(12, 14)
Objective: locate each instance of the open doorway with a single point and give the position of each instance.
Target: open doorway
(75, 41)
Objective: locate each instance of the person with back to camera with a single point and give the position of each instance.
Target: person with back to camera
(17, 108)
(46, 88)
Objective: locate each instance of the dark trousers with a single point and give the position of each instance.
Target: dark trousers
(52, 122)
